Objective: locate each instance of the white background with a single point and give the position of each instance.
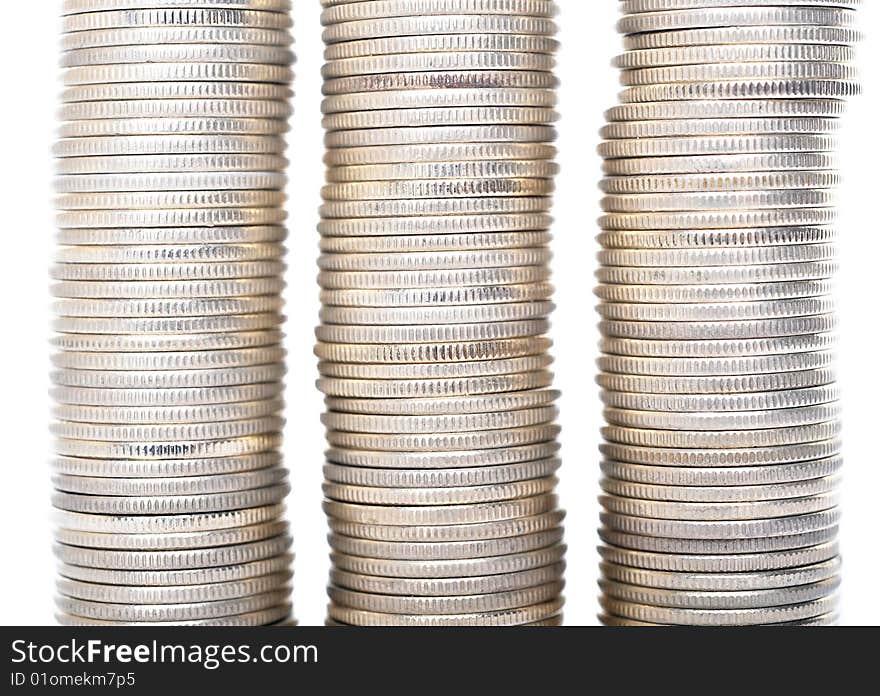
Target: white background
(29, 89)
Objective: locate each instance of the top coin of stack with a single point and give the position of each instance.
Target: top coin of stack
(169, 484)
(434, 275)
(721, 455)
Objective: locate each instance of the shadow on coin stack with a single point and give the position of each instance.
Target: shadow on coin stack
(435, 290)
(169, 484)
(721, 454)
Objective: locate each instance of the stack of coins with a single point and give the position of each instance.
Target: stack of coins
(168, 478)
(434, 274)
(721, 454)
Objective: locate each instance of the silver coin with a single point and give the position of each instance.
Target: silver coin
(177, 578)
(715, 311)
(151, 398)
(430, 278)
(432, 332)
(735, 53)
(722, 582)
(718, 547)
(725, 109)
(435, 423)
(161, 525)
(184, 289)
(170, 505)
(171, 34)
(180, 485)
(463, 568)
(772, 437)
(177, 53)
(525, 43)
(441, 152)
(718, 275)
(728, 162)
(458, 495)
(443, 442)
(745, 456)
(756, 534)
(77, 6)
(715, 510)
(177, 108)
(439, 515)
(787, 70)
(440, 551)
(720, 494)
(747, 256)
(443, 587)
(168, 181)
(722, 601)
(168, 542)
(443, 406)
(350, 12)
(675, 402)
(757, 328)
(164, 164)
(434, 62)
(697, 391)
(392, 389)
(153, 613)
(719, 349)
(434, 206)
(806, 33)
(434, 225)
(178, 253)
(107, 19)
(171, 217)
(735, 476)
(164, 469)
(158, 343)
(746, 421)
(500, 23)
(266, 617)
(442, 478)
(445, 534)
(447, 605)
(442, 460)
(722, 617)
(163, 414)
(737, 16)
(435, 188)
(172, 560)
(708, 294)
(154, 308)
(715, 145)
(431, 352)
(509, 617)
(166, 272)
(540, 169)
(768, 89)
(429, 297)
(727, 564)
(158, 379)
(174, 594)
(452, 98)
(462, 314)
(694, 183)
(172, 126)
(634, 6)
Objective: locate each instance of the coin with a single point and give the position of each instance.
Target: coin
(719, 155)
(434, 275)
(168, 477)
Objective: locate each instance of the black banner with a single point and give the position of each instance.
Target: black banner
(174, 660)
